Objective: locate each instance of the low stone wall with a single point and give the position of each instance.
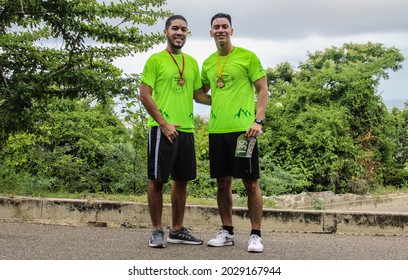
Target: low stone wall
(79, 212)
(328, 200)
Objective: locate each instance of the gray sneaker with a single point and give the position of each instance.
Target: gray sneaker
(183, 236)
(157, 239)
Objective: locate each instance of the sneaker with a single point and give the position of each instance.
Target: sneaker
(222, 239)
(183, 236)
(255, 244)
(157, 239)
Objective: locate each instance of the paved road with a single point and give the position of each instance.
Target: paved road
(25, 241)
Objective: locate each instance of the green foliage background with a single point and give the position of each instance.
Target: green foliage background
(61, 131)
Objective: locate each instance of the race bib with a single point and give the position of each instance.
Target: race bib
(244, 146)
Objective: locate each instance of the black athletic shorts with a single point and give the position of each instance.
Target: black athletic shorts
(223, 161)
(165, 159)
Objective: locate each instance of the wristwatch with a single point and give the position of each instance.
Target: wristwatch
(259, 121)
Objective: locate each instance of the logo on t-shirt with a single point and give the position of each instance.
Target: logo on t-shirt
(164, 114)
(175, 85)
(226, 79)
(243, 112)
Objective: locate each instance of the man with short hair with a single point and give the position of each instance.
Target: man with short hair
(170, 82)
(234, 74)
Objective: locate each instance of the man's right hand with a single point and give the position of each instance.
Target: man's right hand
(169, 130)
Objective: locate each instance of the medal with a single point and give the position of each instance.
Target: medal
(220, 82)
(180, 81)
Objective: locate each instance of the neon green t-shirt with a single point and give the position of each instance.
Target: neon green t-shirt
(232, 106)
(174, 102)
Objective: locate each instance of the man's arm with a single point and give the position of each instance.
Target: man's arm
(169, 130)
(261, 87)
(201, 96)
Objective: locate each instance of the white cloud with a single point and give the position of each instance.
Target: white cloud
(296, 18)
(279, 31)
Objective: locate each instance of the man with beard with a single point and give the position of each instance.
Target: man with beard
(170, 82)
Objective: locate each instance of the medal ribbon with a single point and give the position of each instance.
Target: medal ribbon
(182, 56)
(220, 70)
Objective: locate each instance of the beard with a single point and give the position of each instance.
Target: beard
(176, 46)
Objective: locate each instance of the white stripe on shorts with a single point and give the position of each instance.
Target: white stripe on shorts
(156, 154)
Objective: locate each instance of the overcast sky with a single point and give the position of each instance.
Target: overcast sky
(287, 30)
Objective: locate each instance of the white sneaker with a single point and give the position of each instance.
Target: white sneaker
(222, 239)
(255, 244)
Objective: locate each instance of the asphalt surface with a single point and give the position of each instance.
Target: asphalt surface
(27, 241)
(43, 251)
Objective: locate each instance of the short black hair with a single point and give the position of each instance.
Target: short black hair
(221, 15)
(170, 19)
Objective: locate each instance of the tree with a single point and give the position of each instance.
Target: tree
(64, 48)
(75, 147)
(203, 185)
(397, 170)
(327, 121)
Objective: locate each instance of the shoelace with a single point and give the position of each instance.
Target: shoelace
(184, 233)
(253, 239)
(158, 234)
(223, 234)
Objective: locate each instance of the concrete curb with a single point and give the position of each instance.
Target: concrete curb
(365, 204)
(79, 212)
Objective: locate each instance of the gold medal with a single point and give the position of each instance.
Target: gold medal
(220, 82)
(181, 81)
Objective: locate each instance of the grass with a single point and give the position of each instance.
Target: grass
(389, 190)
(206, 201)
(191, 200)
(114, 197)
